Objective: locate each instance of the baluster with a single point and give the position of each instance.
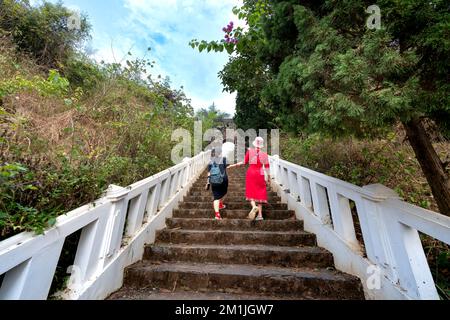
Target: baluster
(342, 219)
(293, 184)
(320, 201)
(88, 257)
(136, 213)
(31, 280)
(165, 189)
(153, 201)
(284, 179)
(173, 184)
(305, 192)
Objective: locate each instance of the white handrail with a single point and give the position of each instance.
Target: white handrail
(395, 266)
(114, 228)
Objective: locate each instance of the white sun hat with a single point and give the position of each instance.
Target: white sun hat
(258, 143)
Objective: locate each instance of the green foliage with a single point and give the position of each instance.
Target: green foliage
(211, 116)
(82, 72)
(16, 181)
(54, 85)
(42, 30)
(82, 125)
(342, 79)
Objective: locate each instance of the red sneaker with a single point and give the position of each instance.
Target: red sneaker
(218, 217)
(222, 206)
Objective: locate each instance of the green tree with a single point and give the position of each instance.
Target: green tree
(326, 72)
(211, 117)
(244, 73)
(338, 77)
(43, 30)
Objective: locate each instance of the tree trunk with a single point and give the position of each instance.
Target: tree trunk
(431, 164)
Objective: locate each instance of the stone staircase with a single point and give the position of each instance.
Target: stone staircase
(197, 257)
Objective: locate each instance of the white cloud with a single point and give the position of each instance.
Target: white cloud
(168, 26)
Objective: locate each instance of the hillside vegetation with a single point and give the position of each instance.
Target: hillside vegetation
(69, 126)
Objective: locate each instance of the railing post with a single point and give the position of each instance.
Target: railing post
(396, 247)
(411, 263)
(116, 222)
(375, 230)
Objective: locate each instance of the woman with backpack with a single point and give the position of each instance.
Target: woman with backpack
(218, 180)
(257, 175)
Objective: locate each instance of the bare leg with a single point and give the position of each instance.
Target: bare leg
(260, 211)
(253, 204)
(216, 205)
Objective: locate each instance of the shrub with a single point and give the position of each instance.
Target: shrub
(42, 30)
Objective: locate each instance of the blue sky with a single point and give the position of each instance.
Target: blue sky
(166, 26)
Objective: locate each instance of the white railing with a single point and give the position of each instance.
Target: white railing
(114, 232)
(395, 266)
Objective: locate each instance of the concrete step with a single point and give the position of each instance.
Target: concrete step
(129, 293)
(240, 199)
(245, 279)
(234, 179)
(230, 179)
(239, 189)
(228, 237)
(294, 257)
(235, 224)
(231, 205)
(232, 214)
(231, 193)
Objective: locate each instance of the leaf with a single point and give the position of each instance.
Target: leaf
(51, 222)
(30, 187)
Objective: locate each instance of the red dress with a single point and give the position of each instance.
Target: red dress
(256, 188)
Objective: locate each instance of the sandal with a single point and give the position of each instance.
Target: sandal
(259, 219)
(253, 212)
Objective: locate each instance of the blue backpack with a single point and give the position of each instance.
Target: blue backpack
(216, 177)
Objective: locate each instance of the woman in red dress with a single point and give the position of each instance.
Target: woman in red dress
(256, 186)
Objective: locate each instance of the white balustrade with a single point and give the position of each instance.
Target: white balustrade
(115, 229)
(390, 230)
(114, 232)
